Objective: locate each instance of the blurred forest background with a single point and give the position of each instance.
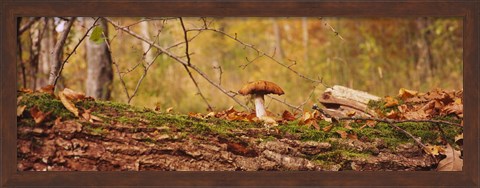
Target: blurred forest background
(376, 55)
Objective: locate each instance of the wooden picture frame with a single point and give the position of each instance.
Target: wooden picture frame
(10, 10)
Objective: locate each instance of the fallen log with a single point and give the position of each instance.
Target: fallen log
(341, 101)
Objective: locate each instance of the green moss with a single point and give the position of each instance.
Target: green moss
(45, 103)
(97, 131)
(338, 156)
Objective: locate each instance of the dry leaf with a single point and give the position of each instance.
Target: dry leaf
(352, 136)
(211, 114)
(47, 89)
(351, 113)
(453, 108)
(434, 150)
(342, 134)
(287, 116)
(25, 90)
(72, 95)
(390, 101)
(452, 162)
(459, 139)
(268, 121)
(68, 104)
(38, 116)
(20, 110)
(19, 98)
(328, 128)
(405, 93)
(392, 114)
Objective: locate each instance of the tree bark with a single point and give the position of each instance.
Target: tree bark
(57, 54)
(45, 58)
(145, 46)
(99, 66)
(278, 40)
(424, 61)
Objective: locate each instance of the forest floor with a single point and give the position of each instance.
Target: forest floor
(108, 136)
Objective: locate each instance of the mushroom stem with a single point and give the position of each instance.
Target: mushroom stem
(259, 108)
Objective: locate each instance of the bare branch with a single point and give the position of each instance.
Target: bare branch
(27, 25)
(331, 28)
(177, 59)
(259, 52)
(209, 107)
(402, 121)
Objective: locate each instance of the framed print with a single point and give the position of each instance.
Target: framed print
(205, 93)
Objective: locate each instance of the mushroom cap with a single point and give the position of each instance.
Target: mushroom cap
(261, 87)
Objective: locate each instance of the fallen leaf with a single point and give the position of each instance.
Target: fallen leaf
(68, 104)
(211, 114)
(390, 101)
(287, 116)
(25, 90)
(452, 108)
(73, 95)
(459, 139)
(20, 110)
(351, 113)
(268, 121)
(38, 116)
(96, 118)
(342, 134)
(452, 162)
(352, 136)
(328, 128)
(405, 93)
(19, 98)
(434, 150)
(47, 89)
(392, 114)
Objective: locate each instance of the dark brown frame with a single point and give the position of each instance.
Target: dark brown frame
(10, 10)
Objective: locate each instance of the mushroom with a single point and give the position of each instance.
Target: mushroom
(257, 90)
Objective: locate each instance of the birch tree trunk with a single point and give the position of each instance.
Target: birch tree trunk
(145, 46)
(99, 65)
(45, 59)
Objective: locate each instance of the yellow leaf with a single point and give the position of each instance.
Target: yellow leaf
(390, 101)
(405, 93)
(328, 128)
(351, 113)
(68, 104)
(20, 110)
(458, 101)
(70, 94)
(434, 150)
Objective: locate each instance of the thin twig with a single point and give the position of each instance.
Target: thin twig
(179, 60)
(331, 28)
(401, 121)
(199, 91)
(260, 53)
(27, 25)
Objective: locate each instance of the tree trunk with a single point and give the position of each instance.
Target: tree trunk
(99, 66)
(305, 38)
(57, 54)
(424, 62)
(278, 39)
(145, 46)
(45, 58)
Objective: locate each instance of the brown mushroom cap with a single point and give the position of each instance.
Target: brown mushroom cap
(261, 87)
